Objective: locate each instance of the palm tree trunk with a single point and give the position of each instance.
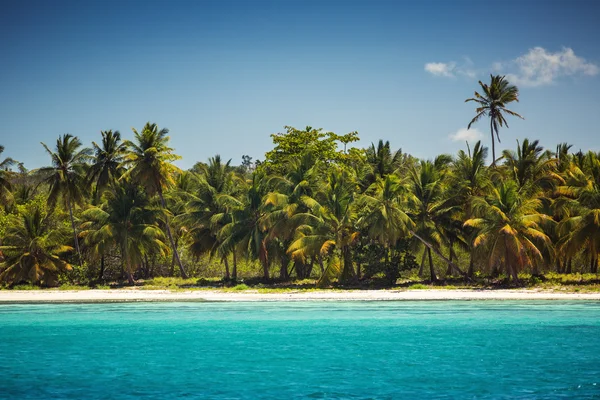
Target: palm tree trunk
(431, 269)
(451, 256)
(422, 262)
(471, 270)
(74, 231)
(175, 253)
(439, 253)
(493, 142)
(321, 264)
(101, 277)
(227, 276)
(594, 265)
(234, 271)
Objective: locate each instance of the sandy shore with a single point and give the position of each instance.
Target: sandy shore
(131, 295)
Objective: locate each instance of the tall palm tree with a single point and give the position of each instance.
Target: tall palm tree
(126, 220)
(492, 103)
(510, 225)
(150, 159)
(106, 165)
(6, 196)
(34, 249)
(66, 177)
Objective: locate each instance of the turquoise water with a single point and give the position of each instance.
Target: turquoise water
(378, 350)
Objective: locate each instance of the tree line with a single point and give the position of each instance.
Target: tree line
(315, 207)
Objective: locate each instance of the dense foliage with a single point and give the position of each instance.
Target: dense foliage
(313, 208)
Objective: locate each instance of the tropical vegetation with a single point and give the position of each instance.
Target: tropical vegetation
(314, 209)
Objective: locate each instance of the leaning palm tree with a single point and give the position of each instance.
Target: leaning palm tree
(34, 249)
(511, 226)
(6, 196)
(66, 177)
(492, 103)
(149, 160)
(106, 165)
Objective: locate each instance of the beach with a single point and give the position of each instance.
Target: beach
(134, 295)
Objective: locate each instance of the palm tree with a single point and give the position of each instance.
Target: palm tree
(510, 225)
(126, 220)
(33, 249)
(580, 229)
(532, 168)
(206, 215)
(382, 160)
(384, 217)
(428, 206)
(66, 177)
(493, 103)
(6, 196)
(245, 228)
(329, 228)
(469, 179)
(149, 161)
(106, 165)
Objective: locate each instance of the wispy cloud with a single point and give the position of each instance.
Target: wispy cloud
(464, 134)
(537, 67)
(452, 69)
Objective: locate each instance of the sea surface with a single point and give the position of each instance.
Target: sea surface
(301, 350)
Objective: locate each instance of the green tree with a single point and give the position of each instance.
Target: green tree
(34, 249)
(150, 159)
(492, 103)
(66, 177)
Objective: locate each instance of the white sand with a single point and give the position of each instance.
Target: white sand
(121, 295)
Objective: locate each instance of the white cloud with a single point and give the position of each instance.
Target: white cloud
(464, 134)
(537, 67)
(441, 69)
(540, 67)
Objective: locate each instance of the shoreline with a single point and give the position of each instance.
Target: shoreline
(133, 295)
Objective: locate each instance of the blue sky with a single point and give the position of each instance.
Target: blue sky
(224, 75)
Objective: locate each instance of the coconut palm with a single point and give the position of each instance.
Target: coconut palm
(532, 168)
(469, 179)
(126, 220)
(510, 226)
(34, 249)
(492, 103)
(384, 217)
(66, 177)
(205, 215)
(150, 159)
(329, 228)
(428, 205)
(382, 160)
(245, 227)
(580, 229)
(106, 165)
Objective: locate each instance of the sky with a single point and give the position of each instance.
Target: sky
(224, 75)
